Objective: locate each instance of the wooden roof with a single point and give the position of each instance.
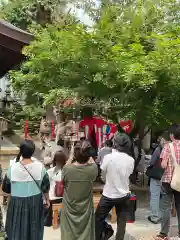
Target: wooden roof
(12, 40)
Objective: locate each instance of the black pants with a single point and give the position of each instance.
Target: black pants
(167, 199)
(48, 213)
(102, 211)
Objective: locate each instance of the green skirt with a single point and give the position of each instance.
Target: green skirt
(25, 218)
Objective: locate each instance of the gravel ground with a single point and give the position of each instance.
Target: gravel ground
(140, 230)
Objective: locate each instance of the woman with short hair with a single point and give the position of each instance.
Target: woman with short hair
(77, 217)
(28, 184)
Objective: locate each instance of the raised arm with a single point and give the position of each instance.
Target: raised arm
(71, 155)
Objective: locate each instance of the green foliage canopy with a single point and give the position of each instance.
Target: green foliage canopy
(25, 13)
(127, 64)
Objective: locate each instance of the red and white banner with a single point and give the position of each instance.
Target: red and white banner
(127, 125)
(103, 129)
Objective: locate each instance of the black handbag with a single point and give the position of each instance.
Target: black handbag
(6, 185)
(155, 172)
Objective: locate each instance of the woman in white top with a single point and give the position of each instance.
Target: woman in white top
(54, 173)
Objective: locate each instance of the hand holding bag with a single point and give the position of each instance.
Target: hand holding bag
(175, 182)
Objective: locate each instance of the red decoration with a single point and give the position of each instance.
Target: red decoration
(87, 124)
(97, 123)
(127, 125)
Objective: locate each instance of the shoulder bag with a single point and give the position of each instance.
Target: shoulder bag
(175, 182)
(59, 189)
(155, 172)
(6, 185)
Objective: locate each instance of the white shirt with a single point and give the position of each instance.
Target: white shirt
(117, 168)
(54, 176)
(102, 153)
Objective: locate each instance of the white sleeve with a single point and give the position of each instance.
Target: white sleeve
(131, 169)
(105, 163)
(12, 162)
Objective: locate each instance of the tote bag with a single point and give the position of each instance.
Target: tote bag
(175, 182)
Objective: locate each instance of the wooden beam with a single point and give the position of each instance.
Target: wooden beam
(12, 41)
(15, 33)
(11, 44)
(8, 60)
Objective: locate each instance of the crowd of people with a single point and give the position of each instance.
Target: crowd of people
(33, 188)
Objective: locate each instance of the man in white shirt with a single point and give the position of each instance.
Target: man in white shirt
(117, 168)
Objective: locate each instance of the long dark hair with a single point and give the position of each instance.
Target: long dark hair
(18, 156)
